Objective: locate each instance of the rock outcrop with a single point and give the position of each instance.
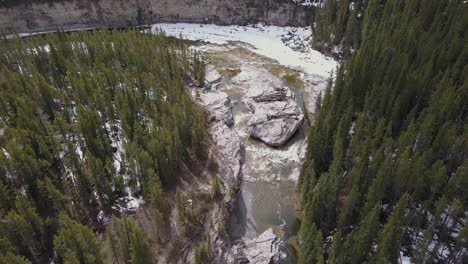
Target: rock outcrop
(277, 116)
(230, 151)
(212, 77)
(231, 147)
(226, 139)
(276, 113)
(32, 16)
(219, 105)
(264, 249)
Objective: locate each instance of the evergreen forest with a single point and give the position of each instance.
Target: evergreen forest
(91, 123)
(94, 124)
(386, 173)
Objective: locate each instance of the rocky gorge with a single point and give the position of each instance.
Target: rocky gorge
(259, 108)
(265, 247)
(258, 119)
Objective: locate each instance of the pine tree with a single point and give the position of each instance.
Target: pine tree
(128, 243)
(404, 101)
(350, 208)
(76, 243)
(308, 253)
(390, 240)
(79, 111)
(365, 236)
(26, 229)
(10, 258)
(216, 188)
(156, 198)
(6, 201)
(337, 253)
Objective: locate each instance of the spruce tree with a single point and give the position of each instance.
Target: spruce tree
(76, 243)
(128, 243)
(390, 240)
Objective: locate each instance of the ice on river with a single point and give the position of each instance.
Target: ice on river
(270, 41)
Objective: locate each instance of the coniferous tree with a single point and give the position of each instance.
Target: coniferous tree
(402, 91)
(26, 230)
(392, 233)
(76, 243)
(87, 121)
(365, 237)
(128, 243)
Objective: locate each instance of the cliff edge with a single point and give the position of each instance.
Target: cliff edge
(45, 15)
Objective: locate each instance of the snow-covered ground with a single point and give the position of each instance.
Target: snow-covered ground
(309, 3)
(274, 42)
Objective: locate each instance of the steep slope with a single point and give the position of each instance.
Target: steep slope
(385, 178)
(95, 124)
(27, 16)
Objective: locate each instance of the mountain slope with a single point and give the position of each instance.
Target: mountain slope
(93, 124)
(386, 171)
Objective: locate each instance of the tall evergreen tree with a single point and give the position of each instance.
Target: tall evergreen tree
(128, 243)
(76, 243)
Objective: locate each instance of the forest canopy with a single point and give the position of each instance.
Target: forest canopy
(385, 176)
(90, 122)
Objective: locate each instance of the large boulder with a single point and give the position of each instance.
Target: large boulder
(276, 113)
(277, 116)
(264, 249)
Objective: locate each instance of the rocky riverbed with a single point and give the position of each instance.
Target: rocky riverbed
(260, 91)
(262, 106)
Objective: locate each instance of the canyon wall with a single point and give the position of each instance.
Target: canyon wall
(44, 15)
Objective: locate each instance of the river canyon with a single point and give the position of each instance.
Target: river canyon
(262, 83)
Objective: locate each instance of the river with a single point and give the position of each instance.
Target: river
(269, 198)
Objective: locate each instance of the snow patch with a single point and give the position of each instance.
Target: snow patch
(128, 204)
(309, 3)
(264, 40)
(404, 259)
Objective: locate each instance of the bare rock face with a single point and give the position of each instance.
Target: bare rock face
(276, 113)
(264, 249)
(231, 146)
(212, 77)
(277, 116)
(219, 106)
(226, 139)
(229, 151)
(33, 16)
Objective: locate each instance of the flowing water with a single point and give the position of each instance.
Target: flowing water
(269, 198)
(269, 186)
(268, 192)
